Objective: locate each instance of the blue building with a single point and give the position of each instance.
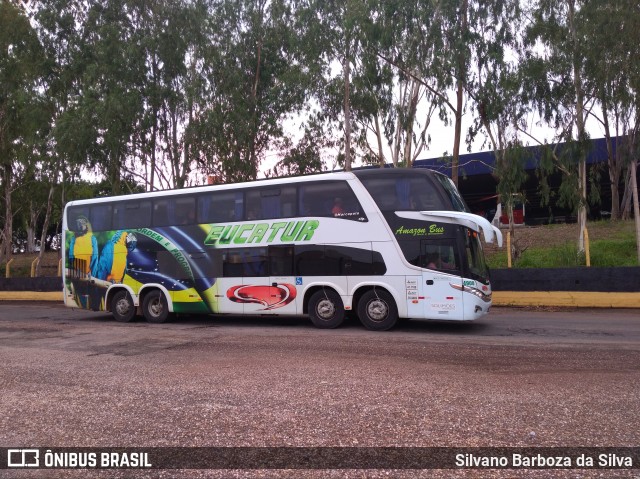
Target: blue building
(477, 184)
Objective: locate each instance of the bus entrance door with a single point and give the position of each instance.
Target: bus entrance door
(442, 275)
(282, 282)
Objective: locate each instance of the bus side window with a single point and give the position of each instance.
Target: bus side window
(438, 255)
(160, 212)
(254, 205)
(101, 217)
(220, 207)
(232, 264)
(404, 193)
(184, 211)
(78, 213)
(309, 261)
(288, 201)
(330, 198)
(255, 262)
(245, 262)
(334, 260)
(281, 260)
(271, 203)
(131, 214)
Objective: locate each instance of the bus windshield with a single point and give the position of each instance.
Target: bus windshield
(478, 269)
(457, 202)
(405, 191)
(412, 190)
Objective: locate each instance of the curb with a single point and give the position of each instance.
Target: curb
(571, 299)
(31, 296)
(575, 299)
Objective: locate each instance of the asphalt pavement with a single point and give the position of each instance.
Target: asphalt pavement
(516, 378)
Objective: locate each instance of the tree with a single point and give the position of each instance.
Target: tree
(64, 154)
(613, 49)
(112, 79)
(305, 157)
(436, 47)
(331, 33)
(500, 112)
(626, 48)
(21, 106)
(558, 87)
(606, 68)
(253, 79)
(392, 106)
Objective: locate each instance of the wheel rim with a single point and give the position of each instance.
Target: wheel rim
(155, 307)
(326, 309)
(377, 310)
(123, 307)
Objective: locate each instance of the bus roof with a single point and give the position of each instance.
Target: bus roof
(373, 172)
(338, 175)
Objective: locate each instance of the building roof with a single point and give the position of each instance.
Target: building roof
(483, 163)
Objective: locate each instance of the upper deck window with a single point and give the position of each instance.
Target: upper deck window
(271, 203)
(220, 207)
(330, 198)
(131, 214)
(180, 210)
(408, 193)
(95, 217)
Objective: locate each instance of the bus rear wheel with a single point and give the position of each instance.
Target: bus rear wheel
(155, 307)
(326, 309)
(377, 310)
(122, 307)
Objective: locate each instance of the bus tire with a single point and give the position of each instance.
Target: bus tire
(377, 310)
(326, 309)
(155, 307)
(122, 306)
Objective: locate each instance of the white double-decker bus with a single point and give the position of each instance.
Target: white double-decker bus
(383, 243)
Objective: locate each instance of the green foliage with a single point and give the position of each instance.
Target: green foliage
(617, 248)
(151, 93)
(304, 158)
(510, 170)
(23, 110)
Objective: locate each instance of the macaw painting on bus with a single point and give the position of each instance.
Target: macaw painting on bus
(95, 261)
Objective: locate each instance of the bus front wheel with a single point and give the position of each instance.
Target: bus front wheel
(122, 307)
(155, 307)
(326, 309)
(377, 310)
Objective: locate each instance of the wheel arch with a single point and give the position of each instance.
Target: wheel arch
(116, 288)
(148, 288)
(311, 290)
(361, 289)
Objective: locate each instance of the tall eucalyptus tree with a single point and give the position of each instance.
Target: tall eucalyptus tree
(337, 31)
(253, 80)
(23, 112)
(435, 47)
(556, 62)
(613, 58)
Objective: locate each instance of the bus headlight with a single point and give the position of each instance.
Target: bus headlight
(475, 291)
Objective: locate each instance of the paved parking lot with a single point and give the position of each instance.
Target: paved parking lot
(516, 378)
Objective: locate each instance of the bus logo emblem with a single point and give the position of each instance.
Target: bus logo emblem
(271, 297)
(23, 458)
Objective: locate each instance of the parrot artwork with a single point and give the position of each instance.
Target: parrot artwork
(113, 258)
(83, 248)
